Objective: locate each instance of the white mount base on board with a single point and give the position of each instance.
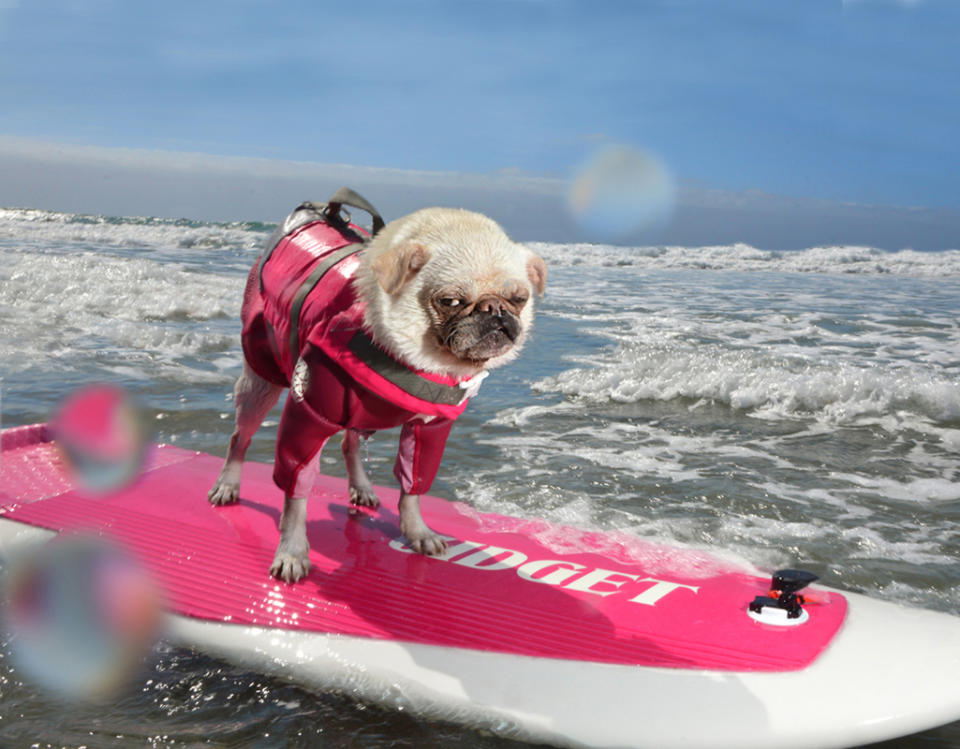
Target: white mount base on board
(778, 617)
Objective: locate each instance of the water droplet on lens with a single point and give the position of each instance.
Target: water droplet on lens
(81, 615)
(621, 190)
(102, 437)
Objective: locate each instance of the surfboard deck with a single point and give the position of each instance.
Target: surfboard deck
(539, 631)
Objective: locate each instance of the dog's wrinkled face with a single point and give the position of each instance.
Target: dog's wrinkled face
(447, 291)
(476, 327)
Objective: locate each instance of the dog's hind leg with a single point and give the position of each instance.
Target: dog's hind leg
(361, 490)
(253, 398)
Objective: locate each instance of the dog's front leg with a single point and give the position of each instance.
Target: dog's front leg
(292, 560)
(412, 525)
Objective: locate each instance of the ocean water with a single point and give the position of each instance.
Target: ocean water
(782, 409)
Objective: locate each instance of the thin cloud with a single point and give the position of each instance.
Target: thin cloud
(128, 182)
(259, 168)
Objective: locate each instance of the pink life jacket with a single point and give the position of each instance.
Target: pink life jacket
(300, 305)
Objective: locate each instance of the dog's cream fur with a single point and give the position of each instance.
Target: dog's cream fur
(451, 247)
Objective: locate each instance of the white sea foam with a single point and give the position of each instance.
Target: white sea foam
(742, 257)
(67, 286)
(632, 450)
(914, 547)
(942, 489)
(130, 311)
(923, 597)
(768, 385)
(571, 526)
(46, 228)
(51, 227)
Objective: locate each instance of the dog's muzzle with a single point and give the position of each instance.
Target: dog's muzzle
(499, 322)
(483, 334)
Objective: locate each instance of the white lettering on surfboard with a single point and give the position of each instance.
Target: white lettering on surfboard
(557, 572)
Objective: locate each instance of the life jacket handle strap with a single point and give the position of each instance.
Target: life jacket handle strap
(346, 196)
(331, 212)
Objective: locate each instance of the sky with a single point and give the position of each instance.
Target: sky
(780, 124)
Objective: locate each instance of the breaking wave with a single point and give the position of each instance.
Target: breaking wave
(744, 258)
(768, 386)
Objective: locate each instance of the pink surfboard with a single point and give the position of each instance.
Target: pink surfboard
(514, 591)
(502, 586)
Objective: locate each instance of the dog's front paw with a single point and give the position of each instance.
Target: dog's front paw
(423, 540)
(419, 536)
(224, 492)
(364, 495)
(430, 544)
(292, 560)
(290, 567)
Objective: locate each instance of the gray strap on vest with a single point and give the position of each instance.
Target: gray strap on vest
(303, 214)
(308, 285)
(410, 382)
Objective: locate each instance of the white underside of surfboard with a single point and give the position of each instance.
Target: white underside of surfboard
(889, 672)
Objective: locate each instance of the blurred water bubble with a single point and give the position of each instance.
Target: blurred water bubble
(620, 191)
(102, 437)
(81, 614)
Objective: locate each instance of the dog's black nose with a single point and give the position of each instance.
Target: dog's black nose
(498, 320)
(492, 305)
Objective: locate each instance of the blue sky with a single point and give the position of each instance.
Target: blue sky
(828, 106)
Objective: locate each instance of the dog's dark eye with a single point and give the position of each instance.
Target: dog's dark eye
(449, 301)
(518, 301)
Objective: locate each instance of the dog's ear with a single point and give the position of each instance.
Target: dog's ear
(537, 273)
(395, 268)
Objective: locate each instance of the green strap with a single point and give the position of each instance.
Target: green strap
(410, 382)
(308, 285)
(308, 212)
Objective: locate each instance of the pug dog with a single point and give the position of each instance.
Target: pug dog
(398, 331)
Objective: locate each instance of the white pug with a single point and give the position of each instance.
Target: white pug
(398, 333)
